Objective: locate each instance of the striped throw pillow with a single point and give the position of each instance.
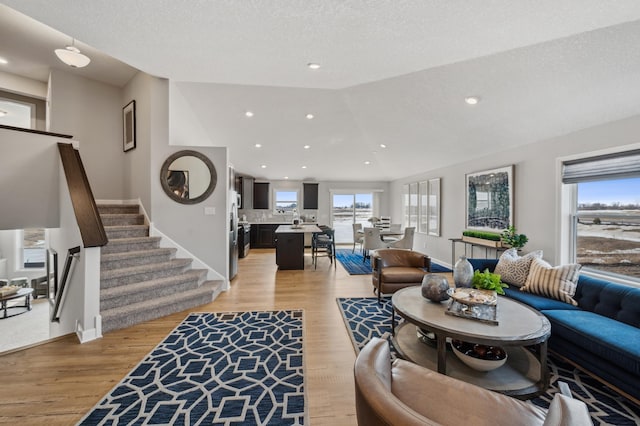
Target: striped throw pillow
(555, 282)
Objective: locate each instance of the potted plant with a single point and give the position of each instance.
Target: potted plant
(511, 238)
(488, 281)
(483, 238)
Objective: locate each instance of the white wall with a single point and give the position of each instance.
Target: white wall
(205, 236)
(29, 171)
(91, 112)
(80, 309)
(536, 187)
(137, 173)
(26, 86)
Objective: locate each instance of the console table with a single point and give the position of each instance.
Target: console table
(486, 247)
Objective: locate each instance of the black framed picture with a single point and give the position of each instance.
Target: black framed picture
(129, 126)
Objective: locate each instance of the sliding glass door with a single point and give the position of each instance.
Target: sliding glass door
(347, 209)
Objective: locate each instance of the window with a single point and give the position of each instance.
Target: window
(286, 201)
(347, 209)
(18, 114)
(410, 205)
(33, 248)
(606, 215)
(423, 221)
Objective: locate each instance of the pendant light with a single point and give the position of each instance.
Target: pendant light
(71, 56)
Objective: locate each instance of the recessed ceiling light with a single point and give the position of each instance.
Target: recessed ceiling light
(382, 145)
(3, 61)
(258, 145)
(3, 113)
(264, 166)
(307, 146)
(286, 177)
(309, 116)
(313, 66)
(249, 114)
(367, 162)
(472, 100)
(304, 167)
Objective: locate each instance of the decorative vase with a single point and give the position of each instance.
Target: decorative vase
(462, 272)
(434, 288)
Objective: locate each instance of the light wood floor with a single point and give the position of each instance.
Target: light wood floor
(57, 383)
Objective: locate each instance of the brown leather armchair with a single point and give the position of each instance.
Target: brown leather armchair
(394, 269)
(403, 393)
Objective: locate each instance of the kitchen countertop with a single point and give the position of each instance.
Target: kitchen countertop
(288, 229)
(279, 222)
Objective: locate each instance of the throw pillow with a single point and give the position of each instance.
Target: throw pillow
(514, 269)
(559, 282)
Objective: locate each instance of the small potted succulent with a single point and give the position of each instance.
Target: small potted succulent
(511, 238)
(488, 281)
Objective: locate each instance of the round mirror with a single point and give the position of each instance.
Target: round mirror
(188, 177)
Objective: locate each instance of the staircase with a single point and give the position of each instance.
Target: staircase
(139, 280)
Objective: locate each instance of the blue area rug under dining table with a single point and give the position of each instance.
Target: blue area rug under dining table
(365, 318)
(354, 264)
(228, 368)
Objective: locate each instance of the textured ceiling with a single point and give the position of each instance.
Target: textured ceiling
(393, 72)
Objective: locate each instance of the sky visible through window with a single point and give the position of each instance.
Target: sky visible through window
(623, 191)
(346, 200)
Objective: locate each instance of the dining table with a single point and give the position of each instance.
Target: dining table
(384, 233)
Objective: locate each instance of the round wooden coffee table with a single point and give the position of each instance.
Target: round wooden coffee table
(525, 373)
(23, 292)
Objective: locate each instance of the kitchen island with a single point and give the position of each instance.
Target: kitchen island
(290, 245)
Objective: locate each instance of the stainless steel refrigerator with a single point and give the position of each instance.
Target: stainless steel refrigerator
(233, 236)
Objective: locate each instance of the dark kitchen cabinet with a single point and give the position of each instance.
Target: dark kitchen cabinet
(261, 195)
(244, 187)
(310, 196)
(290, 251)
(263, 235)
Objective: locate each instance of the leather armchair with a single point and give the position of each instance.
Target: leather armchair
(394, 269)
(403, 393)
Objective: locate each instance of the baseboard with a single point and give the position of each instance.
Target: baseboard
(88, 335)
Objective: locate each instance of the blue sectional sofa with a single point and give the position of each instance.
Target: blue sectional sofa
(601, 335)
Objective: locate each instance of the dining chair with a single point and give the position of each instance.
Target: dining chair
(323, 244)
(406, 242)
(372, 241)
(358, 236)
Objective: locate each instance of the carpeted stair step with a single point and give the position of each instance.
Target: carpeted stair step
(114, 297)
(126, 231)
(135, 313)
(135, 274)
(133, 258)
(118, 208)
(118, 245)
(122, 219)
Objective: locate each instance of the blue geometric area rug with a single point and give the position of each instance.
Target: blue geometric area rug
(365, 319)
(234, 368)
(354, 265)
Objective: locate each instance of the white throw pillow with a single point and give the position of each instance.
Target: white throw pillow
(559, 282)
(514, 269)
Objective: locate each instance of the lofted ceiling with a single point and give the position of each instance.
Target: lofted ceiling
(393, 72)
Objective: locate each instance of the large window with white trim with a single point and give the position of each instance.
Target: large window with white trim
(606, 216)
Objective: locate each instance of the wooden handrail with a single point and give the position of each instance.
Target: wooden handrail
(73, 252)
(84, 205)
(39, 132)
